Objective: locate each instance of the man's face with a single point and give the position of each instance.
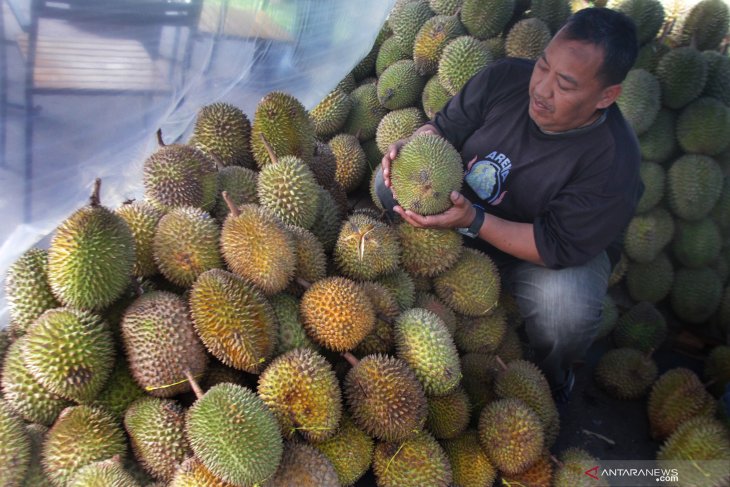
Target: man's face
(565, 91)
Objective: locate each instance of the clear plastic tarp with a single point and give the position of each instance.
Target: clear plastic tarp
(85, 84)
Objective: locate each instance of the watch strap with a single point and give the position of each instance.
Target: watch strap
(476, 224)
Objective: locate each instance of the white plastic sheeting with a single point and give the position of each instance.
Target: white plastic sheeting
(86, 83)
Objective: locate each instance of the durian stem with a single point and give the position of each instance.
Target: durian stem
(160, 142)
(384, 318)
(303, 282)
(710, 383)
(194, 384)
(231, 205)
(94, 199)
(599, 436)
(500, 362)
(358, 134)
(351, 358)
(270, 150)
(556, 461)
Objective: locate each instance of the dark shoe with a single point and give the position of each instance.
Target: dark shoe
(562, 393)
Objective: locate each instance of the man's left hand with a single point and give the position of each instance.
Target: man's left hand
(458, 216)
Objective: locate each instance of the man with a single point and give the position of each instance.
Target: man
(552, 179)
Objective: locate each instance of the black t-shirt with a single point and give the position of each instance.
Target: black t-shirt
(579, 189)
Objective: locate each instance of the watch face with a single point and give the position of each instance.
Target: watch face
(384, 193)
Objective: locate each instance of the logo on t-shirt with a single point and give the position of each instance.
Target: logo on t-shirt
(487, 177)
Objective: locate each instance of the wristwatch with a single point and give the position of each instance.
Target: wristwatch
(476, 224)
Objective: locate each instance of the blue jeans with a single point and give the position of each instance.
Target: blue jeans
(561, 308)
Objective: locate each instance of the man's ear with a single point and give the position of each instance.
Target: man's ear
(608, 96)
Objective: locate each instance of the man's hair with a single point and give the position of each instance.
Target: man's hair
(612, 31)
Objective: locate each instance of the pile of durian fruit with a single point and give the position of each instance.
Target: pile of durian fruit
(252, 322)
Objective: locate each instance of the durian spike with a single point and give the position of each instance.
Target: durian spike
(350, 358)
(358, 134)
(556, 461)
(270, 150)
(94, 199)
(160, 142)
(231, 204)
(303, 282)
(194, 384)
(500, 362)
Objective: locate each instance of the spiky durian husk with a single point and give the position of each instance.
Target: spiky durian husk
(625, 373)
(329, 116)
(461, 59)
(257, 247)
(648, 15)
(234, 320)
(717, 367)
(27, 289)
(366, 248)
(431, 40)
(471, 286)
(380, 340)
(93, 245)
(301, 390)
(120, 391)
(351, 162)
(304, 466)
(659, 142)
(350, 450)
(186, 245)
(285, 124)
(703, 126)
(108, 473)
(389, 53)
(540, 474)
(180, 175)
(653, 176)
(428, 251)
(434, 97)
(240, 183)
(323, 164)
(15, 447)
(402, 286)
(329, 218)
(157, 329)
(640, 99)
(486, 18)
(642, 327)
(718, 76)
(385, 398)
(366, 112)
(414, 462)
(649, 55)
(470, 464)
(156, 429)
(311, 258)
(449, 415)
(697, 243)
(407, 20)
(511, 434)
(482, 333)
(81, 435)
(142, 219)
(445, 7)
(675, 397)
(288, 189)
(572, 471)
(430, 302)
(337, 313)
(35, 477)
(479, 372)
(396, 125)
(426, 345)
(192, 473)
(650, 281)
(224, 131)
(233, 433)
(291, 330)
(553, 12)
(705, 25)
(647, 234)
(527, 39)
(217, 373)
(696, 294)
(682, 74)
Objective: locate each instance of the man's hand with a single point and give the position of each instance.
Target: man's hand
(458, 216)
(389, 157)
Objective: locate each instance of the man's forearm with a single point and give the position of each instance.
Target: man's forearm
(516, 239)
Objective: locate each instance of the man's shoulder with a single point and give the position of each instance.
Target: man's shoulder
(516, 69)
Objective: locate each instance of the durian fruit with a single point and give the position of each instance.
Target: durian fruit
(470, 464)
(479, 371)
(329, 219)
(448, 416)
(414, 462)
(445, 7)
(91, 256)
(234, 320)
(180, 175)
(311, 259)
(609, 317)
(653, 176)
(721, 211)
(27, 289)
(676, 396)
(301, 390)
(571, 472)
(428, 251)
(81, 435)
(647, 234)
(285, 124)
(366, 112)
(511, 347)
(695, 294)
(257, 247)
(217, 373)
(287, 187)
(649, 55)
(426, 300)
(161, 344)
(434, 97)
(15, 447)
(659, 143)
(705, 26)
(696, 243)
(481, 333)
(425, 172)
(401, 284)
(703, 126)
(120, 391)
(640, 99)
(553, 12)
(351, 162)
(323, 164)
(496, 47)
(106, 473)
(233, 433)
(329, 116)
(400, 85)
(425, 344)
(650, 281)
(486, 18)
(304, 466)
(374, 157)
(366, 248)
(389, 53)
(35, 476)
(511, 434)
(156, 429)
(540, 474)
(350, 451)
(648, 15)
(142, 219)
(240, 185)
(223, 131)
(407, 21)
(23, 394)
(186, 245)
(717, 369)
(461, 59)
(70, 353)
(471, 286)
(682, 74)
(396, 125)
(703, 443)
(527, 39)
(385, 398)
(380, 339)
(347, 84)
(192, 473)
(642, 327)
(363, 71)
(625, 373)
(337, 313)
(718, 76)
(291, 330)
(431, 40)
